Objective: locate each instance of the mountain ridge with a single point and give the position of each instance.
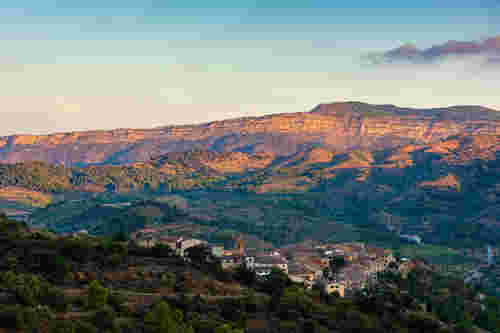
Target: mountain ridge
(342, 126)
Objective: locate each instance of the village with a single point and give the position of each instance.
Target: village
(342, 268)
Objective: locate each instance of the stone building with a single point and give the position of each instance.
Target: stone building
(229, 262)
(267, 262)
(332, 287)
(184, 244)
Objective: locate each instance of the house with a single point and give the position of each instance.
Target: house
(331, 287)
(146, 241)
(80, 233)
(300, 274)
(405, 267)
(250, 262)
(170, 241)
(217, 251)
(269, 262)
(143, 232)
(262, 272)
(229, 262)
(184, 244)
(354, 278)
(325, 261)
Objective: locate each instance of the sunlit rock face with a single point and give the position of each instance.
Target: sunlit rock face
(338, 127)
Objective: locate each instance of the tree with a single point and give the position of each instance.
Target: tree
(162, 250)
(98, 295)
(226, 328)
(28, 289)
(164, 319)
(62, 326)
(198, 254)
(3, 217)
(120, 236)
(276, 282)
(245, 275)
(84, 327)
(105, 317)
(336, 263)
(58, 266)
(168, 280)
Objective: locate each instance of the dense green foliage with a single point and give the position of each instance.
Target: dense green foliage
(449, 299)
(102, 219)
(34, 299)
(39, 176)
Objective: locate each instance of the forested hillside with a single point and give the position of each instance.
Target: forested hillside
(105, 285)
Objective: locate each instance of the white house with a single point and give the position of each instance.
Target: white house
(267, 262)
(184, 244)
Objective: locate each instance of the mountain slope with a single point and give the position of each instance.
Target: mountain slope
(347, 171)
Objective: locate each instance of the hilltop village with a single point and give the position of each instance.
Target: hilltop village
(343, 268)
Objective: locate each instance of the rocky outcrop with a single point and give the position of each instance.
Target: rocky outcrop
(450, 181)
(236, 162)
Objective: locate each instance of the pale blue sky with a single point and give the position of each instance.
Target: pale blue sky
(75, 65)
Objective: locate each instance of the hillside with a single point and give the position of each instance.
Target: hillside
(352, 171)
(446, 192)
(93, 284)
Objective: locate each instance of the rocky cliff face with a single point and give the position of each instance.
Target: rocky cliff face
(338, 127)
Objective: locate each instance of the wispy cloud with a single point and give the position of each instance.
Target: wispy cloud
(486, 51)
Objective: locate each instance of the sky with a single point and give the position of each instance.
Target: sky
(69, 65)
